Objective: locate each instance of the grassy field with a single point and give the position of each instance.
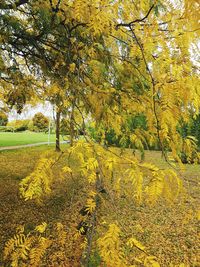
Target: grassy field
(170, 232)
(23, 138)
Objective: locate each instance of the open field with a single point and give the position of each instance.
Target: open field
(168, 232)
(23, 138)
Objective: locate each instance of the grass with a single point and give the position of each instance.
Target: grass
(168, 232)
(23, 138)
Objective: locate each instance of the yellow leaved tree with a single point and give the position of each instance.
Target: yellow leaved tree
(104, 61)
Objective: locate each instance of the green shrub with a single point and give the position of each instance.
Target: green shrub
(6, 129)
(19, 125)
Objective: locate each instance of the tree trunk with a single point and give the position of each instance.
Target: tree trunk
(57, 131)
(72, 130)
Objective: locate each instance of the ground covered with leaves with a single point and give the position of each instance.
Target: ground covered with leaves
(169, 232)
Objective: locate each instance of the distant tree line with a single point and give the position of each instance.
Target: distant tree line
(39, 123)
(191, 128)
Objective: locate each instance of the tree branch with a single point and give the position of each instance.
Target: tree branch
(134, 21)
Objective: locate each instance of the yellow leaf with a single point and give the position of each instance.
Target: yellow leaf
(67, 169)
(92, 177)
(90, 205)
(41, 228)
(72, 67)
(150, 261)
(132, 242)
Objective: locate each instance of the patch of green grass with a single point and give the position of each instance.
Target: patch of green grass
(23, 138)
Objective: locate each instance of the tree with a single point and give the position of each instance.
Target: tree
(3, 118)
(109, 61)
(40, 121)
(191, 130)
(60, 45)
(195, 129)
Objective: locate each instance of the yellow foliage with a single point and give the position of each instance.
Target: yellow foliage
(72, 67)
(67, 169)
(41, 228)
(90, 205)
(38, 183)
(150, 261)
(129, 58)
(109, 246)
(30, 249)
(24, 248)
(38, 251)
(92, 177)
(132, 242)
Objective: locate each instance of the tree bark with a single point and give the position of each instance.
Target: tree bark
(58, 131)
(72, 130)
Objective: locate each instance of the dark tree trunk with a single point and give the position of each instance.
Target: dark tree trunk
(57, 131)
(72, 130)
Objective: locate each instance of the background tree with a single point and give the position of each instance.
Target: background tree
(3, 118)
(40, 122)
(19, 125)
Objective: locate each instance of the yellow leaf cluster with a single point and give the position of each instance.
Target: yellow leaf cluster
(109, 246)
(38, 183)
(23, 248)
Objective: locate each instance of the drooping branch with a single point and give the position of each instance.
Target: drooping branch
(153, 82)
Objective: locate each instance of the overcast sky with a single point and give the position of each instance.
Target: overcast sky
(29, 111)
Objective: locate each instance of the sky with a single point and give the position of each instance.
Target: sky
(29, 111)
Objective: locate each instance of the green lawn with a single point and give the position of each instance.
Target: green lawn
(23, 138)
